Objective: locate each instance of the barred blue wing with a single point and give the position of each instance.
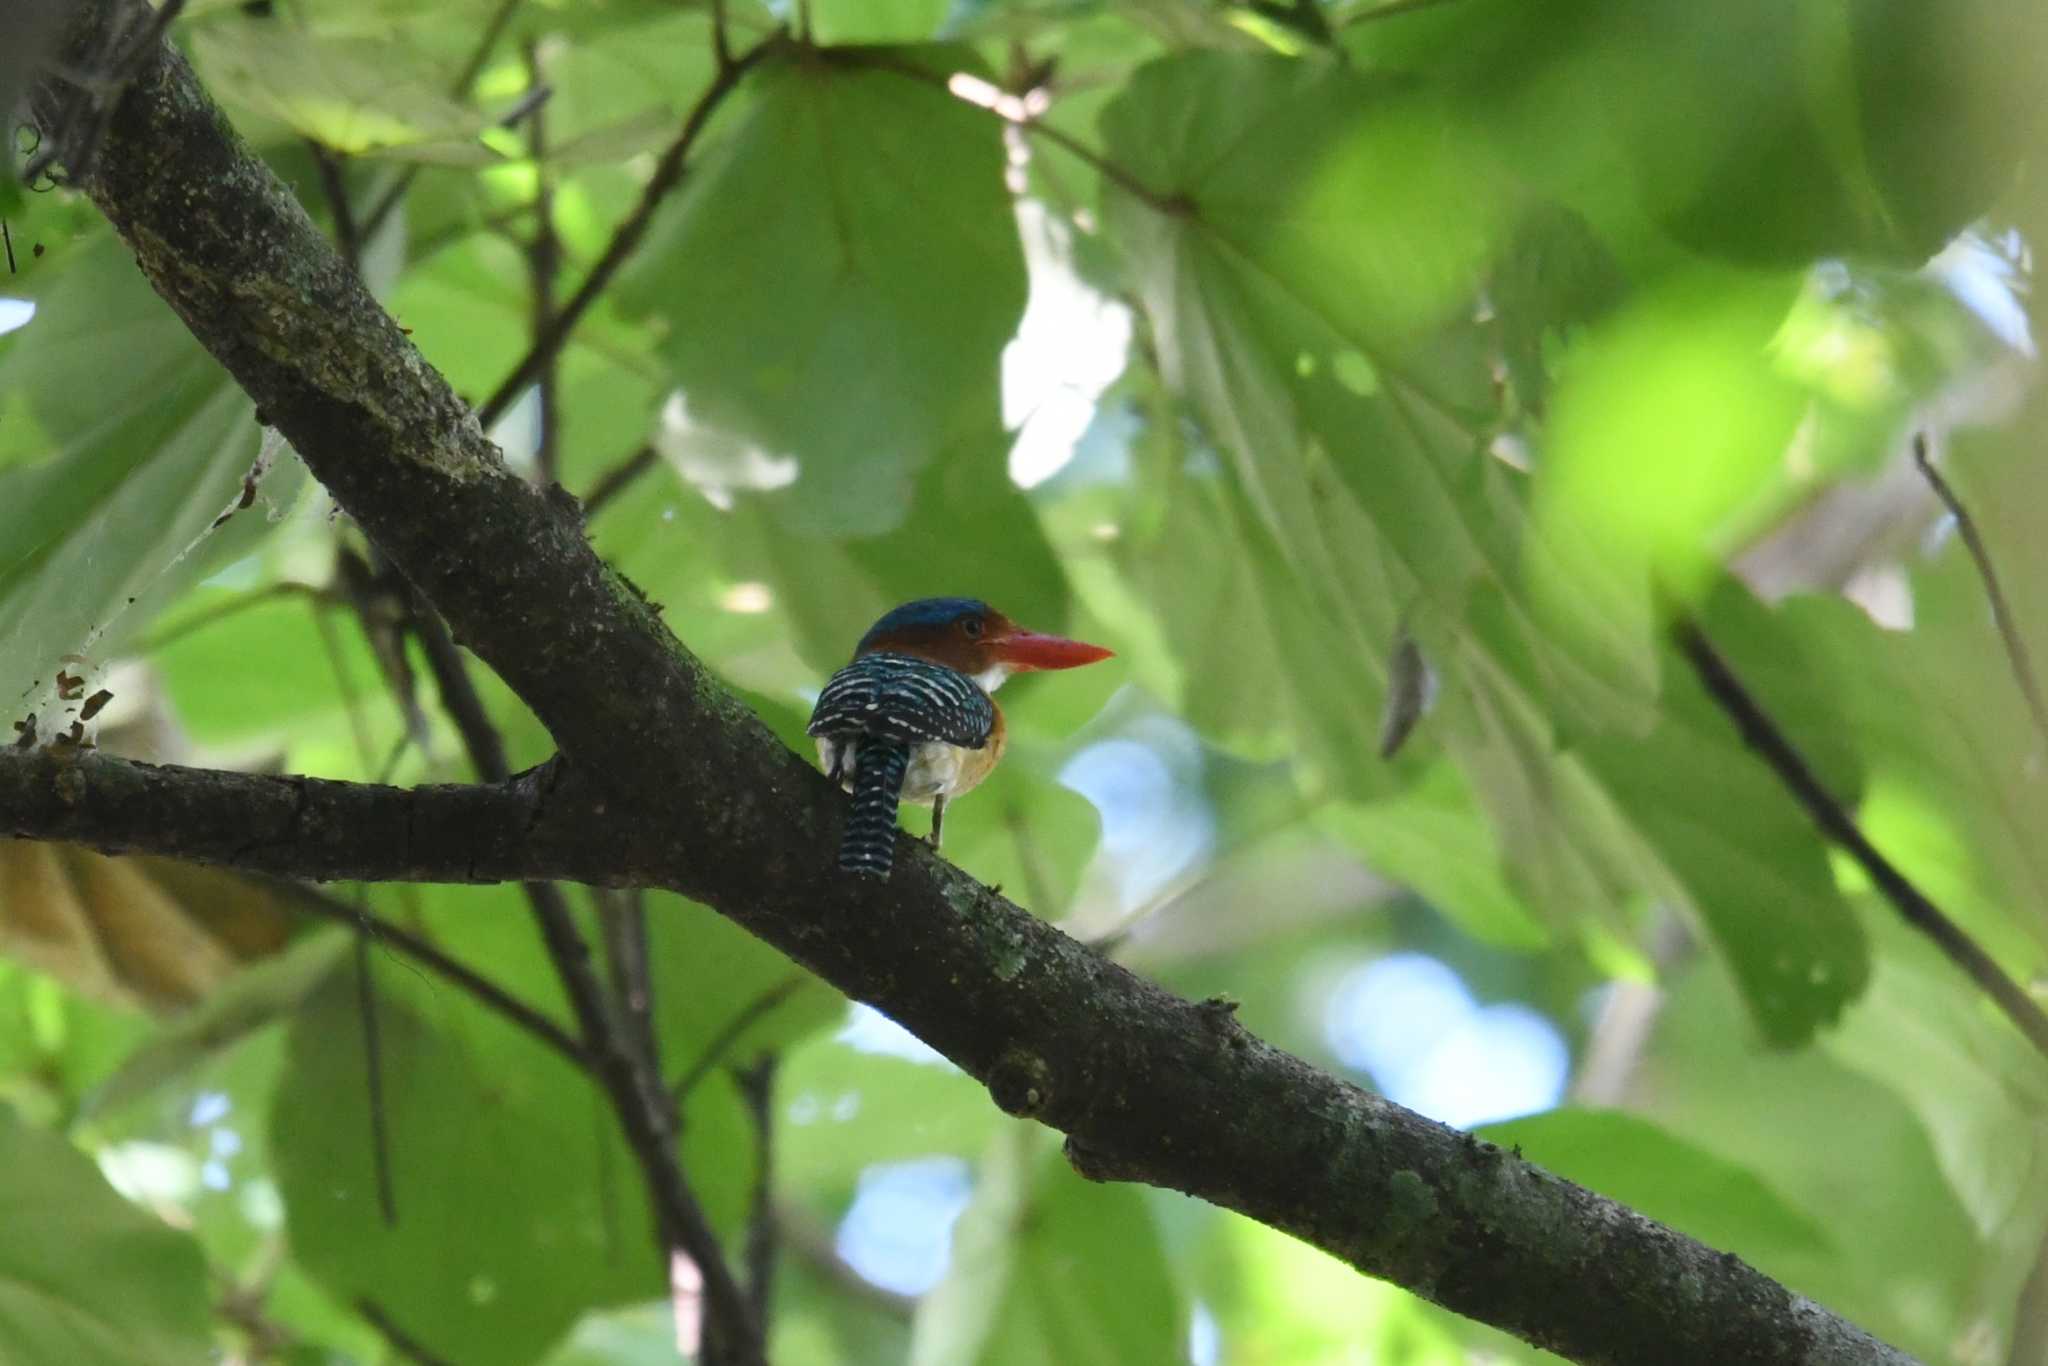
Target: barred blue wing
(898, 697)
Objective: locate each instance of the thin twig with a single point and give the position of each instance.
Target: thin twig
(1763, 736)
(348, 240)
(812, 1241)
(1390, 11)
(464, 78)
(2001, 611)
(667, 172)
(643, 1115)
(344, 683)
(177, 631)
(398, 939)
(715, 1051)
(543, 265)
(622, 914)
(459, 696)
(611, 1059)
(395, 1337)
(721, 40)
(757, 1088)
(618, 479)
(373, 1065)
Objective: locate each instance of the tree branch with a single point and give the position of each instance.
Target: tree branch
(299, 827)
(1148, 1086)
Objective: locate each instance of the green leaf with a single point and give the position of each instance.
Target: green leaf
(1349, 432)
(709, 973)
(1948, 100)
(1049, 1269)
(846, 22)
(1670, 425)
(830, 590)
(110, 498)
(259, 996)
(518, 1205)
(304, 677)
(362, 96)
(845, 1109)
(85, 1277)
(1660, 1174)
(1433, 839)
(1815, 1132)
(1927, 1033)
(1276, 1299)
(840, 275)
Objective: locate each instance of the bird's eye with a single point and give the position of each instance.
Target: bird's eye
(973, 628)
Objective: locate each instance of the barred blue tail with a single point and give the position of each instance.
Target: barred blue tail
(869, 845)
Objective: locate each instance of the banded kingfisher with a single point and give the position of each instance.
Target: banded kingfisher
(911, 719)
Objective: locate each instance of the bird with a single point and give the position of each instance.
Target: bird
(911, 718)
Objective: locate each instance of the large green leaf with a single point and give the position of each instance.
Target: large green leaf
(709, 976)
(1358, 504)
(1949, 105)
(1927, 1033)
(110, 495)
(362, 96)
(518, 1207)
(844, 1109)
(838, 279)
(85, 1277)
(1905, 1263)
(1049, 1270)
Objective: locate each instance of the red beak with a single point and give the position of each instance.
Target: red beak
(1030, 650)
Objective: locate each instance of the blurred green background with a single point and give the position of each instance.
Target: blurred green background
(1361, 375)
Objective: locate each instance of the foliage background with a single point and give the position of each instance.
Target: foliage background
(1293, 353)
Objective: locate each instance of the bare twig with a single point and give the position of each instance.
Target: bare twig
(256, 597)
(812, 1241)
(644, 1116)
(2001, 611)
(721, 40)
(543, 265)
(612, 1059)
(373, 1066)
(1763, 736)
(667, 172)
(344, 682)
(459, 695)
(715, 1051)
(347, 239)
(757, 1088)
(1392, 10)
(618, 479)
(401, 1342)
(398, 939)
(622, 915)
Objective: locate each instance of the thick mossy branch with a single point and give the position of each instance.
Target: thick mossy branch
(692, 793)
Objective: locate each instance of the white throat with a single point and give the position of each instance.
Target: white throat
(992, 677)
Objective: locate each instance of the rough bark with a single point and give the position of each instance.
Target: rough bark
(697, 796)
